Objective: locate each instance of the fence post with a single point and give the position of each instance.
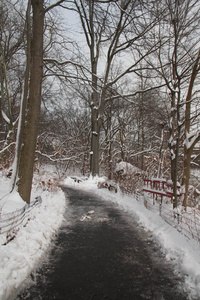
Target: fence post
(160, 207)
(145, 201)
(137, 196)
(178, 218)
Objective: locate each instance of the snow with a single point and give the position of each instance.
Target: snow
(127, 169)
(173, 156)
(12, 202)
(5, 117)
(191, 139)
(94, 133)
(20, 256)
(184, 253)
(158, 179)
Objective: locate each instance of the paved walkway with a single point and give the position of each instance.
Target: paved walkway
(102, 253)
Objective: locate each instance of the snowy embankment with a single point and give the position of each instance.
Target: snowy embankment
(21, 255)
(184, 254)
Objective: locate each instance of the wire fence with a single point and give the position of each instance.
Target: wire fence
(186, 222)
(10, 223)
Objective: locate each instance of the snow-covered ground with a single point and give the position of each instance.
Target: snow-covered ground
(22, 254)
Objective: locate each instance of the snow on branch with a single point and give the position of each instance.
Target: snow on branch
(5, 117)
(191, 139)
(50, 157)
(6, 148)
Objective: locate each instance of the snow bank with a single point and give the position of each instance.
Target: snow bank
(125, 168)
(21, 255)
(184, 254)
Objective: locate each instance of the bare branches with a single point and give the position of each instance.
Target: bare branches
(59, 159)
(58, 3)
(7, 147)
(125, 96)
(64, 63)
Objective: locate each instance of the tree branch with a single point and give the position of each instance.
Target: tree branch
(53, 5)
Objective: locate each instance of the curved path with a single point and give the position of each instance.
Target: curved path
(102, 253)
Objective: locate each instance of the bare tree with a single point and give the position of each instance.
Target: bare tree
(11, 68)
(110, 29)
(191, 139)
(177, 34)
(24, 100)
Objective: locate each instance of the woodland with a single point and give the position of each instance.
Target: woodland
(85, 85)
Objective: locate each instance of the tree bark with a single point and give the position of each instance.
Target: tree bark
(26, 163)
(4, 79)
(188, 151)
(94, 154)
(95, 128)
(24, 101)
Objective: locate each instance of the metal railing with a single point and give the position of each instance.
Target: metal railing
(185, 222)
(10, 223)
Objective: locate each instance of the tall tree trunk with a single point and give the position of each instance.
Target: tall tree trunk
(142, 128)
(108, 141)
(94, 154)
(160, 160)
(21, 122)
(172, 148)
(26, 163)
(188, 150)
(186, 176)
(4, 79)
(110, 174)
(110, 168)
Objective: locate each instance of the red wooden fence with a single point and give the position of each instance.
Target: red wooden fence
(159, 186)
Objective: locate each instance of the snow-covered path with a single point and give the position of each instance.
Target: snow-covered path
(102, 253)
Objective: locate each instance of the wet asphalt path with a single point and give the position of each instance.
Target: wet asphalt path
(102, 253)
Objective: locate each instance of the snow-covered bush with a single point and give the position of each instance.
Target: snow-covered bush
(129, 177)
